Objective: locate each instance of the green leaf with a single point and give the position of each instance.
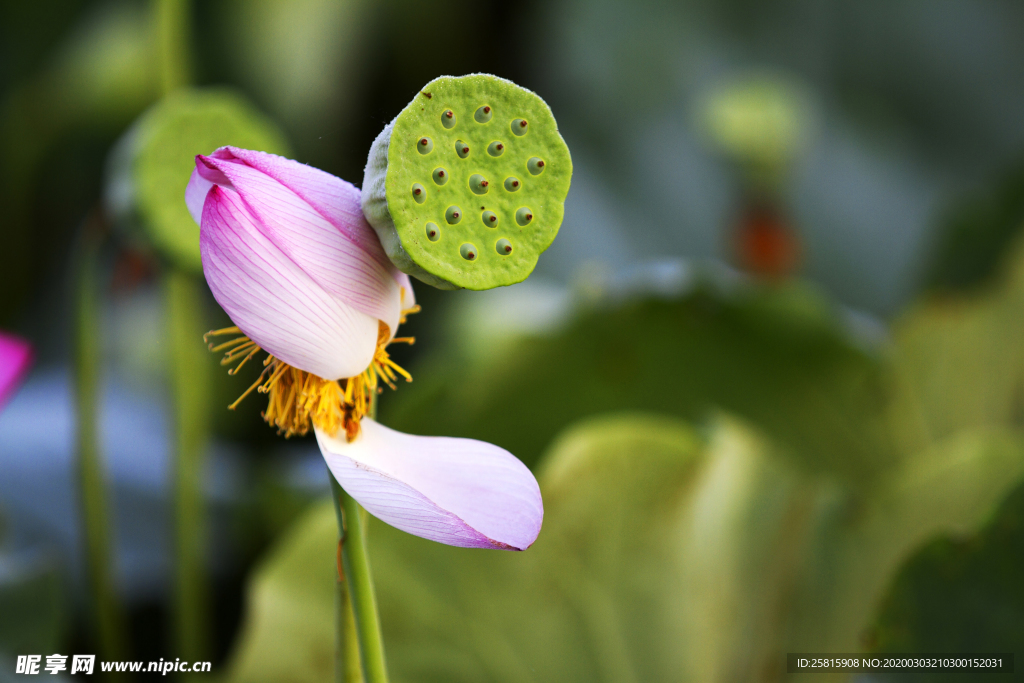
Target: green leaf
(664, 556)
(960, 594)
(160, 155)
(959, 360)
(288, 634)
(776, 357)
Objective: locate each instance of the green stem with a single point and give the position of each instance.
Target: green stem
(172, 29)
(364, 599)
(107, 616)
(352, 523)
(348, 667)
(189, 388)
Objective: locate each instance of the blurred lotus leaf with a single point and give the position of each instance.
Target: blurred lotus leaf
(664, 556)
(152, 164)
(960, 594)
(777, 357)
(959, 360)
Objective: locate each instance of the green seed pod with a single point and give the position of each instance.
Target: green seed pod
(433, 232)
(484, 111)
(440, 176)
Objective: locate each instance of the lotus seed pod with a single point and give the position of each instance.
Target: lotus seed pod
(485, 134)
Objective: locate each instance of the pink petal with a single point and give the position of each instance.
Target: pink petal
(15, 357)
(315, 219)
(275, 302)
(459, 492)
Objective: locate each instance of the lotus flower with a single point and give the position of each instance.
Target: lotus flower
(15, 357)
(290, 258)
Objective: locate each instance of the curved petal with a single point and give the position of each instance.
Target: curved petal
(406, 298)
(15, 357)
(277, 304)
(460, 492)
(349, 263)
(195, 195)
(405, 283)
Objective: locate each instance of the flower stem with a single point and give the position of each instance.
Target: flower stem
(189, 388)
(348, 667)
(107, 616)
(364, 599)
(359, 587)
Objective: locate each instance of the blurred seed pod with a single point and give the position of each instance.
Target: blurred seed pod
(761, 123)
(148, 169)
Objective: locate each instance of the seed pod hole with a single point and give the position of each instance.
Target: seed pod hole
(419, 193)
(448, 119)
(478, 184)
(519, 127)
(503, 247)
(462, 149)
(489, 218)
(468, 251)
(433, 232)
(512, 184)
(425, 145)
(440, 176)
(496, 148)
(483, 114)
(536, 165)
(524, 215)
(453, 215)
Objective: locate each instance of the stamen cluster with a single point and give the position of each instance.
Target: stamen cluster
(299, 400)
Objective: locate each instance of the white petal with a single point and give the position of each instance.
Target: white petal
(456, 491)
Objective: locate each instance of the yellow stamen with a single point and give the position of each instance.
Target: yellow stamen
(298, 400)
(409, 311)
